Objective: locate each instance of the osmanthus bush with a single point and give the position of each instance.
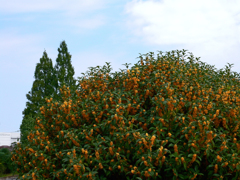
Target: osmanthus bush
(163, 119)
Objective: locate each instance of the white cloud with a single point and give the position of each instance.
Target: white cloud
(203, 27)
(171, 22)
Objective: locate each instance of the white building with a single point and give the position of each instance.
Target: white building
(6, 139)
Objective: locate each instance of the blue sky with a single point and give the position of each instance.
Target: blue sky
(99, 31)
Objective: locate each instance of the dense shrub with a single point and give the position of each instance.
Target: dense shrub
(26, 126)
(6, 163)
(162, 119)
(2, 168)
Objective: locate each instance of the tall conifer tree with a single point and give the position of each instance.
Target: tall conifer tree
(64, 69)
(43, 87)
(48, 81)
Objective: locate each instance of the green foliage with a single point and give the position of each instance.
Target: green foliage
(2, 168)
(27, 125)
(163, 119)
(5, 151)
(43, 86)
(3, 157)
(47, 82)
(64, 70)
(7, 166)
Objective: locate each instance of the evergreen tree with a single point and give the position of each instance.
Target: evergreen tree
(64, 69)
(43, 87)
(48, 81)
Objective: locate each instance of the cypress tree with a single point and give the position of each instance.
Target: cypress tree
(48, 81)
(64, 70)
(43, 87)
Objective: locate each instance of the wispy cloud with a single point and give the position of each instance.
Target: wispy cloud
(205, 27)
(182, 21)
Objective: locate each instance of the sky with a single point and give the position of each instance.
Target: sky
(100, 31)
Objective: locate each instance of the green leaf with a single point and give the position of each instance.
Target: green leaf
(175, 171)
(198, 162)
(190, 155)
(237, 175)
(185, 166)
(181, 176)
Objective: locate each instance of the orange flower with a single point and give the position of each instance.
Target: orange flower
(146, 174)
(100, 166)
(175, 148)
(225, 164)
(182, 159)
(194, 158)
(215, 168)
(219, 159)
(145, 163)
